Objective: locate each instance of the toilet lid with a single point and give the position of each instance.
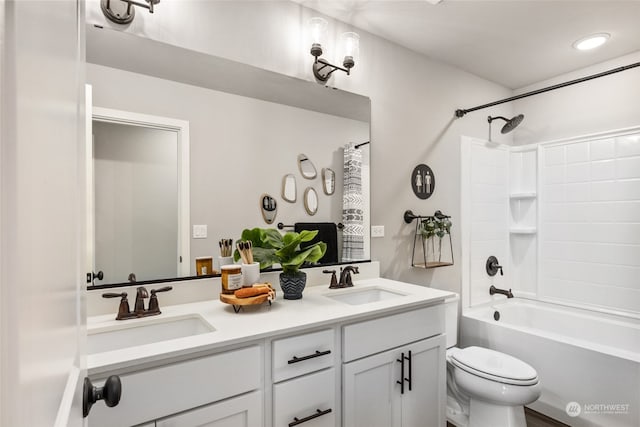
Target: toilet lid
(494, 365)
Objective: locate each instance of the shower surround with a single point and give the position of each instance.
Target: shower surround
(562, 217)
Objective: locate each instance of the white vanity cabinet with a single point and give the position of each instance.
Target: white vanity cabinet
(159, 392)
(401, 387)
(359, 367)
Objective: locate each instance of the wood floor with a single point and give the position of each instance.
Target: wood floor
(535, 419)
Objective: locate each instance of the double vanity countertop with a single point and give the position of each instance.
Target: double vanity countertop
(319, 307)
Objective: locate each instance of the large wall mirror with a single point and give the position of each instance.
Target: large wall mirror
(246, 128)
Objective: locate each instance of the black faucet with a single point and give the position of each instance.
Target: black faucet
(139, 310)
(141, 294)
(492, 266)
(345, 276)
(494, 290)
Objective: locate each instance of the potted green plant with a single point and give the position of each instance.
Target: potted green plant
(271, 247)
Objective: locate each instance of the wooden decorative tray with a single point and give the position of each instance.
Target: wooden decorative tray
(238, 303)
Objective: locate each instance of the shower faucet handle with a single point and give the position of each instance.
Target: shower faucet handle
(493, 266)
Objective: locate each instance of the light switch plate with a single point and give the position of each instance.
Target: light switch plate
(377, 231)
(199, 231)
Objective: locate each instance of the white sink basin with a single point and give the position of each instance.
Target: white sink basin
(364, 296)
(145, 331)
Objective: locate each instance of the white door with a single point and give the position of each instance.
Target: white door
(423, 405)
(42, 212)
(371, 395)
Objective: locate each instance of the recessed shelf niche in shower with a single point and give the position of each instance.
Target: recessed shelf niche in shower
(523, 195)
(523, 213)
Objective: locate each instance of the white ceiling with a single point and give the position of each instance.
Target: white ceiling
(511, 42)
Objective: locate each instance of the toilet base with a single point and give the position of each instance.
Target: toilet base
(483, 414)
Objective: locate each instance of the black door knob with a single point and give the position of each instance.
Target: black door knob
(110, 393)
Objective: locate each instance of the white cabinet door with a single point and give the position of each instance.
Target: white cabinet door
(423, 405)
(241, 411)
(371, 396)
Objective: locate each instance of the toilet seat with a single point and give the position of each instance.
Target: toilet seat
(495, 366)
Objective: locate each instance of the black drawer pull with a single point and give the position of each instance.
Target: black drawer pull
(402, 378)
(318, 413)
(311, 356)
(410, 373)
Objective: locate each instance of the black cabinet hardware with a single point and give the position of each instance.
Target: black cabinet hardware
(110, 392)
(318, 413)
(93, 276)
(297, 359)
(401, 381)
(410, 374)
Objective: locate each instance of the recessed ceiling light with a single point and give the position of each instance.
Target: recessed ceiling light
(591, 42)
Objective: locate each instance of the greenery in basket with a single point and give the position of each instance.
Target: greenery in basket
(431, 227)
(271, 247)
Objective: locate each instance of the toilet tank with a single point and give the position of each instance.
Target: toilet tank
(451, 320)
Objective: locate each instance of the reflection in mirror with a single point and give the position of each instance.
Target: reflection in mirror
(289, 190)
(328, 181)
(263, 130)
(269, 208)
(307, 168)
(311, 201)
(138, 232)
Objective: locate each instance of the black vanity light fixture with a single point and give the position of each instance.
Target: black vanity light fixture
(348, 45)
(122, 11)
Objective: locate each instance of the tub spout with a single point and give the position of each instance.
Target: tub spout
(494, 290)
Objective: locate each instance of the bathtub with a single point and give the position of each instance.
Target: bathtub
(588, 362)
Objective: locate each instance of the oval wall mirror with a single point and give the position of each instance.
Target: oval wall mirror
(311, 201)
(268, 207)
(307, 169)
(289, 190)
(328, 181)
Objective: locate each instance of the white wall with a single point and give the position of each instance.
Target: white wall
(136, 202)
(485, 190)
(589, 231)
(413, 100)
(598, 105)
(240, 148)
(41, 200)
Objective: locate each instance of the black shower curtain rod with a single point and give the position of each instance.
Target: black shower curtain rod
(461, 112)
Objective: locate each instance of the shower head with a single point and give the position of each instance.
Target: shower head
(511, 123)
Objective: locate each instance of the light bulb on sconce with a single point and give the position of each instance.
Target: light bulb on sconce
(349, 48)
(318, 32)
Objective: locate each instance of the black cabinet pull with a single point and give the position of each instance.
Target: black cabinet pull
(318, 413)
(410, 374)
(297, 359)
(110, 392)
(401, 382)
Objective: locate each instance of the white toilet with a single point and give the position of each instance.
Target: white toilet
(485, 388)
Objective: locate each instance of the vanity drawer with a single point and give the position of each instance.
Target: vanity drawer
(376, 335)
(165, 390)
(299, 355)
(312, 397)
